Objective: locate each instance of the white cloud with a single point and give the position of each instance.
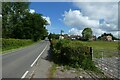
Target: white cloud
(95, 0)
(90, 14)
(47, 19)
(75, 31)
(97, 10)
(32, 11)
(76, 19)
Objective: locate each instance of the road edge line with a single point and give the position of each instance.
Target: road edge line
(24, 75)
(38, 57)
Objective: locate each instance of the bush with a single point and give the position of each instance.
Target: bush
(14, 43)
(72, 53)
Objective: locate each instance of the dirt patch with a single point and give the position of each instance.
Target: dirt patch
(67, 72)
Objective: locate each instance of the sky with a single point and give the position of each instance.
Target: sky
(73, 17)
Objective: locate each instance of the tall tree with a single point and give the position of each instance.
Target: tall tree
(19, 23)
(62, 32)
(12, 15)
(87, 33)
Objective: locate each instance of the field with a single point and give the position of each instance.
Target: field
(99, 45)
(109, 49)
(8, 44)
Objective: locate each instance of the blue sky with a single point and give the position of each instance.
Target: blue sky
(54, 10)
(100, 17)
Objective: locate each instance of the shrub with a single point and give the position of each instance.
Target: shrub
(14, 43)
(71, 53)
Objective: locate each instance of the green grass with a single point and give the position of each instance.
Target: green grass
(99, 45)
(12, 44)
(52, 70)
(108, 49)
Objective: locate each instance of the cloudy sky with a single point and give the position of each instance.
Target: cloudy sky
(73, 17)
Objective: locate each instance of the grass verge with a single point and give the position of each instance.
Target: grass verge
(52, 70)
(14, 44)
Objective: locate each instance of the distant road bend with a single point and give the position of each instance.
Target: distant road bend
(16, 64)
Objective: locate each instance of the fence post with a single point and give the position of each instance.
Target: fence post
(91, 53)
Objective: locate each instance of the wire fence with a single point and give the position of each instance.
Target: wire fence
(108, 62)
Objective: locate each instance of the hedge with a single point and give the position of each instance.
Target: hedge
(72, 53)
(8, 44)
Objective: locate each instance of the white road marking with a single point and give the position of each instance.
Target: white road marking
(24, 74)
(38, 57)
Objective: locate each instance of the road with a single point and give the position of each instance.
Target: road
(17, 64)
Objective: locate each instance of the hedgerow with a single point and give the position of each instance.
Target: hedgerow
(14, 43)
(72, 53)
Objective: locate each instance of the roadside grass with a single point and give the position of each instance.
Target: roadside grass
(52, 70)
(13, 44)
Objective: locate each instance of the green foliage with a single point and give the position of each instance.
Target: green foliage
(62, 32)
(19, 23)
(12, 15)
(118, 46)
(87, 64)
(107, 34)
(87, 33)
(53, 36)
(52, 71)
(14, 43)
(72, 53)
(108, 48)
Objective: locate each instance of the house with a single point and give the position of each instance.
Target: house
(74, 37)
(61, 37)
(109, 38)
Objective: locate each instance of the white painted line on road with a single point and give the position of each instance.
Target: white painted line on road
(38, 57)
(24, 74)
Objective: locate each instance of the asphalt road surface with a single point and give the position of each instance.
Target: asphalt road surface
(16, 64)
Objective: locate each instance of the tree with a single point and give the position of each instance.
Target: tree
(53, 36)
(19, 23)
(34, 27)
(12, 15)
(62, 32)
(107, 34)
(87, 33)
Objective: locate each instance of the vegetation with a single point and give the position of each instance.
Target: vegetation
(52, 71)
(109, 49)
(53, 36)
(72, 53)
(98, 45)
(19, 23)
(19, 26)
(8, 44)
(87, 33)
(109, 34)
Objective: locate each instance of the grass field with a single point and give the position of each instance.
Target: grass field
(109, 49)
(102, 45)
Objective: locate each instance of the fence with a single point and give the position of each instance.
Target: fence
(108, 62)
